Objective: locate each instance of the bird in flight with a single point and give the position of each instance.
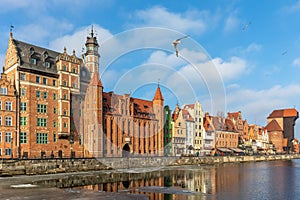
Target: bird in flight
(283, 53)
(176, 42)
(246, 26)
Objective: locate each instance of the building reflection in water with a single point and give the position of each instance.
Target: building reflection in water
(186, 183)
(178, 183)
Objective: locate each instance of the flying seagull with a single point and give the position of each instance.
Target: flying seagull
(283, 53)
(176, 42)
(246, 26)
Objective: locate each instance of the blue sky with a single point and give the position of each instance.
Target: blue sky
(244, 54)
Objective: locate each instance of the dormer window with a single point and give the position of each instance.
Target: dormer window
(33, 61)
(47, 64)
(46, 55)
(31, 51)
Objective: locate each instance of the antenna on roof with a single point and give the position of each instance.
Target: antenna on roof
(158, 80)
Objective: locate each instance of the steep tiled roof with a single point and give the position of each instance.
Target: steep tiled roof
(26, 51)
(229, 125)
(158, 95)
(141, 108)
(206, 124)
(95, 81)
(187, 116)
(190, 106)
(273, 126)
(233, 115)
(223, 124)
(289, 112)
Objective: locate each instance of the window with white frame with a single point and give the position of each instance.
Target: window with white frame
(23, 91)
(8, 121)
(23, 76)
(23, 137)
(8, 137)
(23, 106)
(8, 151)
(8, 105)
(3, 90)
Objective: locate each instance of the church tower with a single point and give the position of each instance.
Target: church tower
(91, 54)
(93, 114)
(158, 108)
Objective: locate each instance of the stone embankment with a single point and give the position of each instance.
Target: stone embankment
(54, 166)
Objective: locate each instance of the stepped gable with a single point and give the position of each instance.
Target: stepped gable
(110, 103)
(273, 126)
(141, 108)
(289, 112)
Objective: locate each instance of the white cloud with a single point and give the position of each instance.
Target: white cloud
(7, 5)
(231, 69)
(190, 21)
(256, 105)
(296, 62)
(76, 41)
(245, 51)
(293, 8)
(162, 58)
(231, 23)
(253, 47)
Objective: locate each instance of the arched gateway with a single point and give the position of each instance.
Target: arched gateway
(126, 150)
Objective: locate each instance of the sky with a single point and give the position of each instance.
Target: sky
(239, 55)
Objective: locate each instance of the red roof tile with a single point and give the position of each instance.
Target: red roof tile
(289, 112)
(273, 126)
(186, 115)
(158, 95)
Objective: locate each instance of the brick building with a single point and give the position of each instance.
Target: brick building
(8, 119)
(286, 119)
(59, 109)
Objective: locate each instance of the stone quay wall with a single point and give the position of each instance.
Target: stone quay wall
(11, 167)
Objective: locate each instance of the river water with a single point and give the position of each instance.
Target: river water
(254, 180)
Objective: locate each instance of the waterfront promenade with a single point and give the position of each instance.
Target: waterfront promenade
(11, 167)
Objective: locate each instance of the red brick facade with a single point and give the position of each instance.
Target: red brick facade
(63, 111)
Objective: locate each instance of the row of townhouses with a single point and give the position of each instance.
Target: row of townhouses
(53, 105)
(190, 130)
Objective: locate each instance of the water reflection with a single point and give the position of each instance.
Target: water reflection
(263, 180)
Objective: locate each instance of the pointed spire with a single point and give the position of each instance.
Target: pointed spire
(11, 31)
(158, 95)
(95, 81)
(92, 31)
